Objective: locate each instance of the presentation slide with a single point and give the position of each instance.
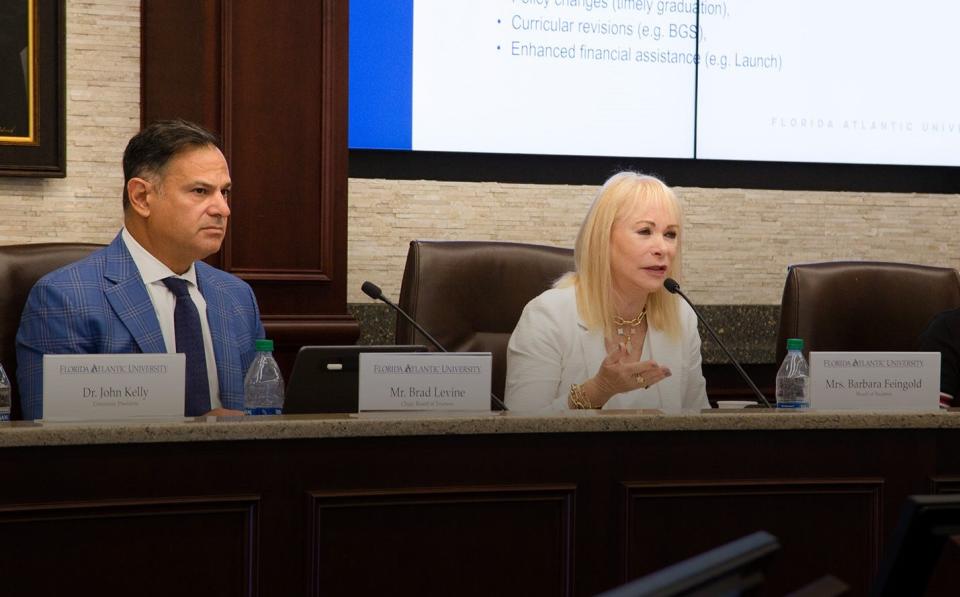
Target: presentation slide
(818, 81)
(823, 81)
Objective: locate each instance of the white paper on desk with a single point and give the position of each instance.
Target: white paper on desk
(425, 380)
(875, 380)
(112, 387)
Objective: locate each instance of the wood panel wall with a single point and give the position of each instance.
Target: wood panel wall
(271, 79)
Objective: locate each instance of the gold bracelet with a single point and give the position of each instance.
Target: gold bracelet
(578, 398)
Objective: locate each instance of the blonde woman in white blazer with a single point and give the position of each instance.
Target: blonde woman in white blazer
(608, 335)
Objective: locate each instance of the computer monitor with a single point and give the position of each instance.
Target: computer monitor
(325, 379)
(926, 522)
(736, 568)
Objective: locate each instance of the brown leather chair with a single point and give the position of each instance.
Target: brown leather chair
(469, 294)
(863, 305)
(20, 268)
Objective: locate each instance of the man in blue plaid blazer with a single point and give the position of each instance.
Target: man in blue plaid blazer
(176, 205)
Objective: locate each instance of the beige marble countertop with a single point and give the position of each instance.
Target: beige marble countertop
(26, 433)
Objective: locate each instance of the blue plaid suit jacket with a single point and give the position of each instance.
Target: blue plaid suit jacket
(99, 305)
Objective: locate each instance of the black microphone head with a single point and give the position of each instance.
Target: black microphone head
(372, 290)
(672, 286)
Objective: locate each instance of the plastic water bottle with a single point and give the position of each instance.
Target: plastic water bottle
(5, 395)
(263, 384)
(793, 378)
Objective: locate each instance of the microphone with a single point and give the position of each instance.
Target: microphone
(673, 287)
(373, 291)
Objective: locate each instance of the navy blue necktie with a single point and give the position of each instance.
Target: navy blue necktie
(189, 334)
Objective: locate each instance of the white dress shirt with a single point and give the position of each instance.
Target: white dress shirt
(153, 271)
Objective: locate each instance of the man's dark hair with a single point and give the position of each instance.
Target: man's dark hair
(149, 151)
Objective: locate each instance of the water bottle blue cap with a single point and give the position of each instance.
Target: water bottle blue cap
(263, 345)
(795, 344)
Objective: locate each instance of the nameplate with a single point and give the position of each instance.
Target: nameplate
(112, 387)
(875, 380)
(425, 381)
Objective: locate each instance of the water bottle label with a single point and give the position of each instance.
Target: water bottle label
(4, 414)
(793, 405)
(262, 410)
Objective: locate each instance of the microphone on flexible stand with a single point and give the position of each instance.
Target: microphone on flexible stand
(673, 287)
(373, 291)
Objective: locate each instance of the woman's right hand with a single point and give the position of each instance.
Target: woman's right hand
(617, 375)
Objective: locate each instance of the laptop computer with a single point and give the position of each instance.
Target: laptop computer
(325, 379)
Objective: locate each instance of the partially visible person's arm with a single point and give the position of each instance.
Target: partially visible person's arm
(534, 361)
(943, 335)
(50, 324)
(695, 390)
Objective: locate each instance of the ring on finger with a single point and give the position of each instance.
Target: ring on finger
(640, 380)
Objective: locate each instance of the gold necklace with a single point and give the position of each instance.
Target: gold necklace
(626, 328)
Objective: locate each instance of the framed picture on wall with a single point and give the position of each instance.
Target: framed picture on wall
(32, 88)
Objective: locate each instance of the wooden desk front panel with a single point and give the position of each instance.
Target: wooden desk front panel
(531, 514)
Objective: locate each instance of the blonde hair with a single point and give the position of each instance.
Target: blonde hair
(593, 278)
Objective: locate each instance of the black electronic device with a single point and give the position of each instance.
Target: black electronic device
(325, 379)
(926, 522)
(733, 569)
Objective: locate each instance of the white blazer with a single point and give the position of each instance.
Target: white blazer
(551, 349)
